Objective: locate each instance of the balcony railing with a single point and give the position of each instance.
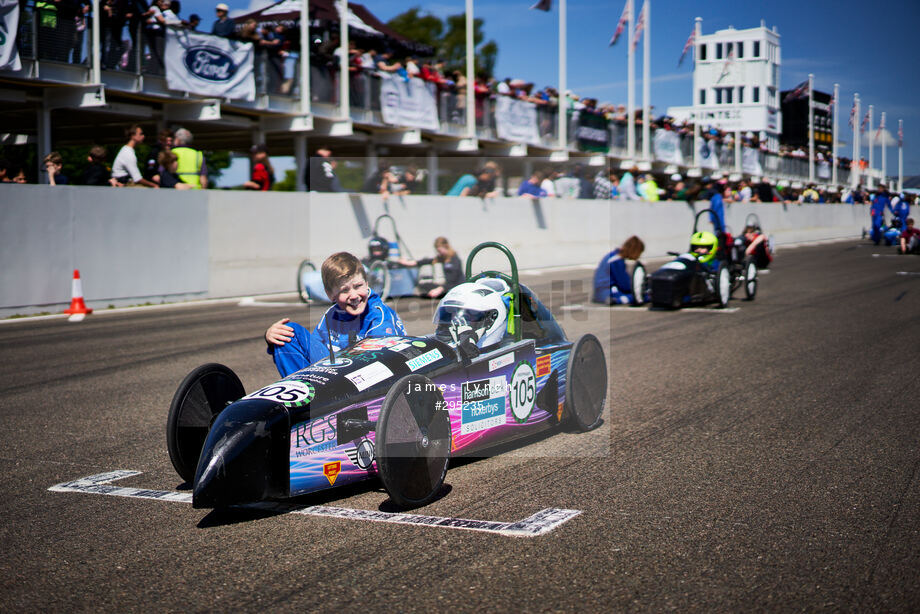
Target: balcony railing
(134, 48)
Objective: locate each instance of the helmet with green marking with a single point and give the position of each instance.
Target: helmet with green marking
(704, 245)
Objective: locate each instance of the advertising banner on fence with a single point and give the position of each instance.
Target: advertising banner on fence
(667, 147)
(709, 158)
(409, 103)
(9, 22)
(516, 120)
(592, 132)
(209, 65)
(750, 161)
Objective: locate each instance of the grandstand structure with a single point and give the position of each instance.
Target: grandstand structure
(298, 106)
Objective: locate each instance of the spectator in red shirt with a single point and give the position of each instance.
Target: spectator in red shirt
(263, 175)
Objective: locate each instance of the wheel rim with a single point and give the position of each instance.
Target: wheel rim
(196, 404)
(302, 287)
(725, 286)
(751, 279)
(414, 442)
(586, 382)
(639, 284)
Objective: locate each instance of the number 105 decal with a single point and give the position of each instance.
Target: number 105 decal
(523, 391)
(292, 393)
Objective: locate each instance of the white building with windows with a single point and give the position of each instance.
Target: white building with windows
(736, 83)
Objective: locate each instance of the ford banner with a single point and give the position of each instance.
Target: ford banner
(209, 65)
(9, 21)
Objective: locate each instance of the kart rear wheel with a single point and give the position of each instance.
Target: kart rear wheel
(203, 394)
(413, 441)
(750, 278)
(305, 267)
(639, 284)
(724, 287)
(378, 278)
(586, 383)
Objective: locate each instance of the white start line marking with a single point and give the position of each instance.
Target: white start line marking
(540, 523)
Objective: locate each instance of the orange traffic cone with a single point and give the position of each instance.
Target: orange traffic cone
(78, 309)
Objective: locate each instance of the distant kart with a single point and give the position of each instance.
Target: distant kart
(687, 281)
(386, 277)
(394, 407)
(763, 253)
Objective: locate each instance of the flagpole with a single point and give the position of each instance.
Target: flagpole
(698, 31)
(881, 126)
(631, 87)
(871, 148)
(563, 106)
(470, 100)
(854, 168)
(900, 156)
(304, 57)
(646, 81)
(834, 138)
(344, 74)
(811, 128)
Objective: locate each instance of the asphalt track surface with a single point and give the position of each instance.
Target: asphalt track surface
(759, 459)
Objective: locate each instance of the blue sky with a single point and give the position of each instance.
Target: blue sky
(866, 47)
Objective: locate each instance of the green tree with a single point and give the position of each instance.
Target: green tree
(448, 38)
(425, 29)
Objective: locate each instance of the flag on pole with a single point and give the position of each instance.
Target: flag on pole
(800, 91)
(865, 122)
(687, 46)
(621, 24)
(640, 25)
(830, 105)
(543, 5)
(729, 60)
(853, 115)
(881, 126)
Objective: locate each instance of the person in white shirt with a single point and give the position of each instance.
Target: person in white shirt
(745, 193)
(548, 185)
(125, 169)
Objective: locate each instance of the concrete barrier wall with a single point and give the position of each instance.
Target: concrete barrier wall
(134, 245)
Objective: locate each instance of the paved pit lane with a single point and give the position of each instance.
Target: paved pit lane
(767, 460)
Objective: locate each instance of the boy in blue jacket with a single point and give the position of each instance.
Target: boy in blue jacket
(357, 312)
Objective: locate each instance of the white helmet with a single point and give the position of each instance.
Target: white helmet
(474, 306)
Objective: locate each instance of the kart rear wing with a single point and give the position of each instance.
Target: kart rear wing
(514, 311)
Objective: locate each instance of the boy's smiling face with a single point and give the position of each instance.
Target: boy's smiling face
(351, 294)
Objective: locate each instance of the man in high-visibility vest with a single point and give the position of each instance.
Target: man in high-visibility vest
(192, 168)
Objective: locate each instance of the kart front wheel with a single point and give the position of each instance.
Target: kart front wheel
(302, 288)
(203, 394)
(750, 278)
(724, 289)
(378, 278)
(586, 383)
(413, 441)
(639, 284)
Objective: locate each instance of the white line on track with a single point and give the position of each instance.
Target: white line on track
(908, 273)
(250, 301)
(579, 307)
(540, 523)
(886, 255)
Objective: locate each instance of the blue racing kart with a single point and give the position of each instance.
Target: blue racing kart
(398, 408)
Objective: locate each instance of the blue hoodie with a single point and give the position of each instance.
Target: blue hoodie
(378, 320)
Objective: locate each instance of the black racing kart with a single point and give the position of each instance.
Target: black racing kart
(687, 281)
